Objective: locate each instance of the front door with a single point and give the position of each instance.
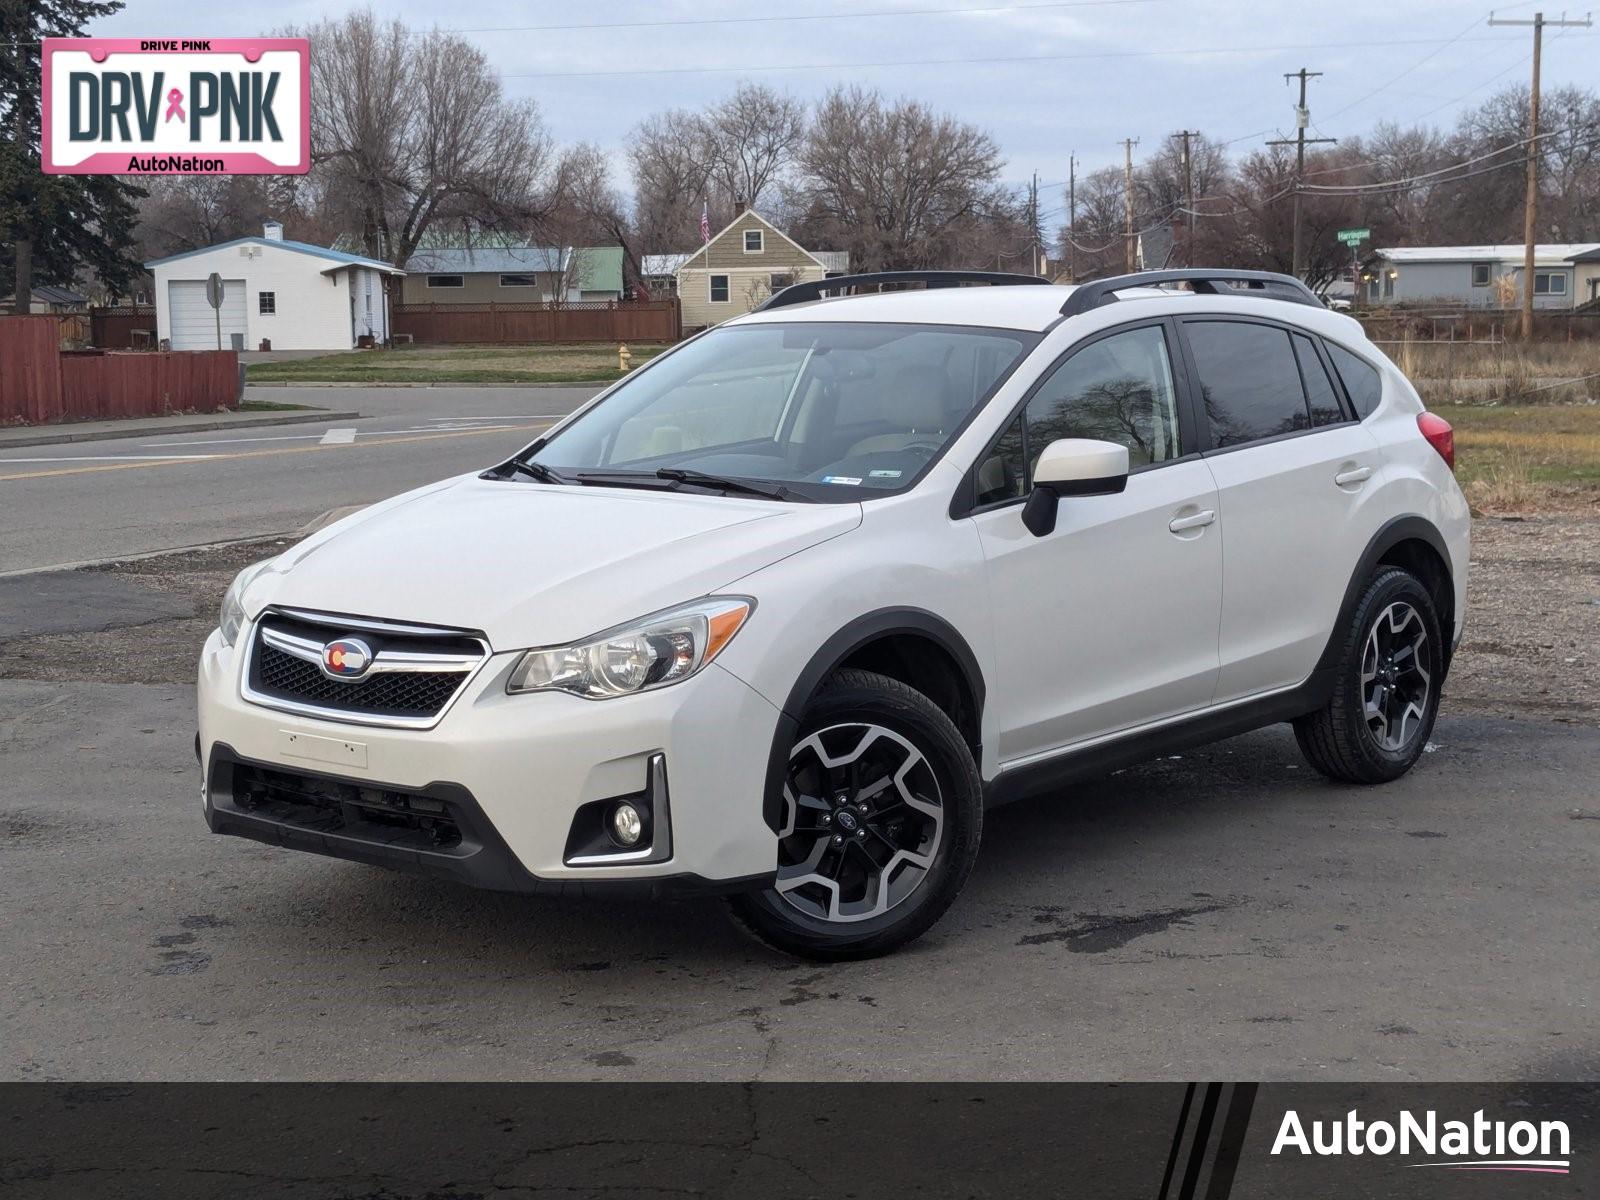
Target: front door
(1110, 621)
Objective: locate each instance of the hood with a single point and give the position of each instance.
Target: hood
(533, 564)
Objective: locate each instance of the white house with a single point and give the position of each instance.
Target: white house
(1483, 276)
(292, 294)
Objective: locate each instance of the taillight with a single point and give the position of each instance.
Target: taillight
(1440, 436)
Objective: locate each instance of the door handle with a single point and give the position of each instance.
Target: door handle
(1355, 475)
(1196, 521)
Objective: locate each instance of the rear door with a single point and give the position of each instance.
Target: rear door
(1294, 471)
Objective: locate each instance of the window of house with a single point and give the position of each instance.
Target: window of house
(141, 299)
(446, 281)
(1388, 285)
(780, 280)
(267, 303)
(1480, 274)
(1549, 283)
(719, 289)
(1321, 397)
(1118, 389)
(752, 241)
(519, 281)
(1249, 381)
(1361, 379)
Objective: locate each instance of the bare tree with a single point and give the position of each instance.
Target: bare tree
(414, 133)
(752, 137)
(671, 179)
(892, 181)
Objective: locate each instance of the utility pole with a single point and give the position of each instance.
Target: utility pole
(1188, 194)
(1033, 225)
(1302, 119)
(1127, 203)
(1531, 204)
(1072, 217)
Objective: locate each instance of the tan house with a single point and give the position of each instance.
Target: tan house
(742, 266)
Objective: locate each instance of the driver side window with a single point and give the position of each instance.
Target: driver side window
(1118, 389)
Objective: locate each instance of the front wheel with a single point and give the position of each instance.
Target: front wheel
(1386, 689)
(883, 809)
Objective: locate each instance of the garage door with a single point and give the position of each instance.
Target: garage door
(194, 325)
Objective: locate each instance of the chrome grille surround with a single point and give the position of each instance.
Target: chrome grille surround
(281, 634)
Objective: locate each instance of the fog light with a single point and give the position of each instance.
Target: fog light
(627, 826)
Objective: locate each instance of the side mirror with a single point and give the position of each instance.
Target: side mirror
(1073, 467)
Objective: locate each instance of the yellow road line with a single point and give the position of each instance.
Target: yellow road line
(228, 457)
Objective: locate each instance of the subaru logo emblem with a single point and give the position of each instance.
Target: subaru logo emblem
(346, 658)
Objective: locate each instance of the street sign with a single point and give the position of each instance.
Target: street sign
(1354, 237)
(214, 294)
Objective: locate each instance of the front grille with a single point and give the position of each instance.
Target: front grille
(397, 819)
(394, 693)
(413, 674)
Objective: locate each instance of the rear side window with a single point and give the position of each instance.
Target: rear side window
(1249, 381)
(1320, 393)
(1361, 379)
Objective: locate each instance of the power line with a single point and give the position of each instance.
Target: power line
(1184, 51)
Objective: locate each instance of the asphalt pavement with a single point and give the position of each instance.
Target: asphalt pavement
(86, 502)
(1226, 914)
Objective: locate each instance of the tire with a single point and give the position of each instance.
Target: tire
(868, 740)
(1345, 740)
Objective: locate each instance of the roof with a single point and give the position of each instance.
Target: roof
(51, 294)
(1591, 255)
(473, 260)
(1030, 307)
(600, 268)
(339, 257)
(1545, 254)
(832, 260)
(656, 265)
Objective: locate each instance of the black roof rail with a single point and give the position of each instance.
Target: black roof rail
(814, 289)
(1267, 285)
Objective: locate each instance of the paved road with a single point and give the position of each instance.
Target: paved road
(91, 501)
(1224, 915)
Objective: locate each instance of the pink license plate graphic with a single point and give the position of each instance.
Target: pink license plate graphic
(176, 106)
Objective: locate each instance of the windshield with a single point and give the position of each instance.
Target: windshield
(832, 411)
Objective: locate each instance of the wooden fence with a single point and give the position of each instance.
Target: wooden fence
(39, 383)
(125, 327)
(521, 324)
(1476, 325)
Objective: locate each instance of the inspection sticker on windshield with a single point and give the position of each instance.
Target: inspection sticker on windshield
(885, 474)
(851, 480)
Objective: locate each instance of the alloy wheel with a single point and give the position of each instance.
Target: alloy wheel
(1395, 682)
(864, 819)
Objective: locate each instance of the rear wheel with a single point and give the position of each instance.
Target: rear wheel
(883, 809)
(1386, 692)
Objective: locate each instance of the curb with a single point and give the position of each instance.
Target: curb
(66, 436)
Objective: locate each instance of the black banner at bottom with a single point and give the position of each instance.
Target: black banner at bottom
(474, 1141)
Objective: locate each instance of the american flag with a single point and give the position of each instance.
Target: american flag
(705, 222)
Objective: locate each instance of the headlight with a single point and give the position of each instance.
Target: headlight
(233, 615)
(652, 652)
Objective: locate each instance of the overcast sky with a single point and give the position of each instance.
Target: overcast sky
(1060, 78)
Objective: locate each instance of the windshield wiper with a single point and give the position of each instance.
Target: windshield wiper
(534, 470)
(773, 492)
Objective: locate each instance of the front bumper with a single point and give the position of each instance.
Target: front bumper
(515, 770)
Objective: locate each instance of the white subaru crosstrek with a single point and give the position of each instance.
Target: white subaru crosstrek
(781, 612)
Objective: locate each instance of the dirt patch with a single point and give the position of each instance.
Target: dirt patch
(1532, 645)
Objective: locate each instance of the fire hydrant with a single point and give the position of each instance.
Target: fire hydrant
(624, 359)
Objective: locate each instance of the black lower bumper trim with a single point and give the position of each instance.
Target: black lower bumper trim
(480, 858)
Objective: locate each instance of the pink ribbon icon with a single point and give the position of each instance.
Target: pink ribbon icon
(175, 105)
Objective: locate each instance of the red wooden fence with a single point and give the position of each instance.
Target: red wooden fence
(41, 384)
(519, 324)
(115, 328)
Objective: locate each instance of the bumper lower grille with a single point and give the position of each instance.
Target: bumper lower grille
(410, 673)
(326, 806)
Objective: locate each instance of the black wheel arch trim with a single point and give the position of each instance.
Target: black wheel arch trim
(1394, 532)
(855, 635)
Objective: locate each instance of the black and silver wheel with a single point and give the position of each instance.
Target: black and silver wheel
(1386, 689)
(882, 809)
